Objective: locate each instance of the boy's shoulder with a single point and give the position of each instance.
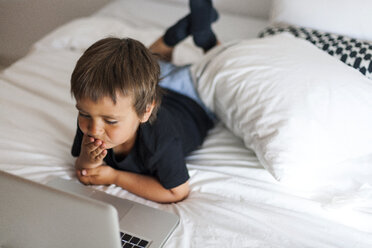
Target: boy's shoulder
(160, 133)
(179, 119)
(162, 148)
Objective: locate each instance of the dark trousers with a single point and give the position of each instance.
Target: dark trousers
(197, 23)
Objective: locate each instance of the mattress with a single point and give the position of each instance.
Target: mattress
(234, 201)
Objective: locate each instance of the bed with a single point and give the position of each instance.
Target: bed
(237, 197)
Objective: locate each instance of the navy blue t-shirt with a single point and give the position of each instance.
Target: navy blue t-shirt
(161, 147)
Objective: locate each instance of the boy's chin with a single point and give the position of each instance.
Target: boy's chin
(107, 146)
(110, 146)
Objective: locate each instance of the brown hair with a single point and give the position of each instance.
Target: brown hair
(111, 66)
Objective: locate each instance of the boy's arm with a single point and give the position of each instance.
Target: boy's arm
(150, 188)
(142, 185)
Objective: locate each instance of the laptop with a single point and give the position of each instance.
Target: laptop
(66, 213)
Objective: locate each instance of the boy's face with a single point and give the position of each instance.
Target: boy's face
(114, 124)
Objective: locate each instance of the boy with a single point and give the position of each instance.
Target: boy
(132, 132)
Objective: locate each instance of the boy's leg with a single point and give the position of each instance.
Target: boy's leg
(162, 50)
(177, 32)
(178, 79)
(172, 36)
(202, 16)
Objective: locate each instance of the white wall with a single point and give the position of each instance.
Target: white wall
(22, 22)
(254, 8)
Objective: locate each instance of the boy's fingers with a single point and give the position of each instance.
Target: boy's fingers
(87, 139)
(97, 153)
(94, 146)
(98, 142)
(89, 172)
(83, 179)
(90, 147)
(102, 154)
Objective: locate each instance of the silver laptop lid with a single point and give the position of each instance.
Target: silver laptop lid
(147, 223)
(34, 215)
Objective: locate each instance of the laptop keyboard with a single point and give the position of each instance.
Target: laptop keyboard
(129, 241)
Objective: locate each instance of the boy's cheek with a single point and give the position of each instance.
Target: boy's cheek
(82, 125)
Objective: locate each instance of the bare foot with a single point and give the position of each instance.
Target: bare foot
(160, 48)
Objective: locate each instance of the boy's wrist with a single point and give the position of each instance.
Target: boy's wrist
(81, 164)
(115, 179)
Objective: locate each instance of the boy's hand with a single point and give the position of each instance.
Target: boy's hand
(92, 153)
(102, 175)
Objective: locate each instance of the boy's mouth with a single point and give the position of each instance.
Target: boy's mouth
(98, 138)
(95, 138)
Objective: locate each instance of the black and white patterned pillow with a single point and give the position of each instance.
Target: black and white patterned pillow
(353, 52)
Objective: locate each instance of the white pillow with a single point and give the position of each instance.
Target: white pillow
(351, 18)
(301, 110)
(81, 33)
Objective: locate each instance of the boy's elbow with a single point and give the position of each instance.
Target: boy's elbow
(180, 192)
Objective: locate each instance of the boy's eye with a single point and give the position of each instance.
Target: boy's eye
(111, 122)
(84, 115)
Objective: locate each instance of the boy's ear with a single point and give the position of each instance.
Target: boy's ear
(147, 114)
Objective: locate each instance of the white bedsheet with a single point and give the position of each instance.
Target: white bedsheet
(234, 201)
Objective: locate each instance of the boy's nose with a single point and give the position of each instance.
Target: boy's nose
(94, 129)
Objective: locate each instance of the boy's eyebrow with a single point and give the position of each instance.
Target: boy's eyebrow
(105, 116)
(111, 117)
(78, 108)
